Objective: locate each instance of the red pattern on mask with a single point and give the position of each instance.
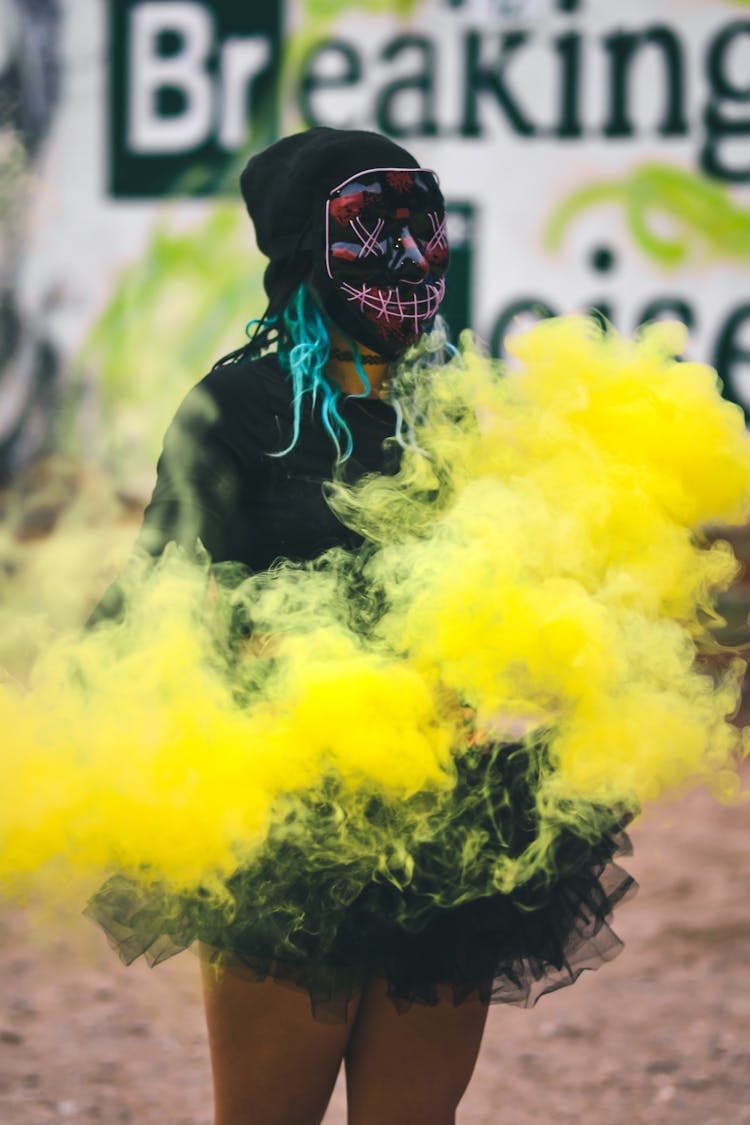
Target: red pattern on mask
(400, 181)
(346, 207)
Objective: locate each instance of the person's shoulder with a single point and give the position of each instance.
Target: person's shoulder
(246, 382)
(230, 392)
(244, 406)
(249, 388)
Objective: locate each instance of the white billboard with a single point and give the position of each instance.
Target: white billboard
(593, 156)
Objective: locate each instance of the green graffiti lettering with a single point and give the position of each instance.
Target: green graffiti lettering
(624, 48)
(718, 125)
(311, 79)
(731, 351)
(489, 78)
(421, 83)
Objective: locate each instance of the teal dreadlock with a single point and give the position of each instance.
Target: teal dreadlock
(303, 354)
(303, 345)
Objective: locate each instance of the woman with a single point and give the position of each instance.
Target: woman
(356, 236)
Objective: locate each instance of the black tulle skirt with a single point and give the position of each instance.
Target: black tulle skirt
(418, 911)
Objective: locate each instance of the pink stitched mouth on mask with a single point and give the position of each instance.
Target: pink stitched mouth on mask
(391, 306)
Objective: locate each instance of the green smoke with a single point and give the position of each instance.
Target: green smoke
(703, 219)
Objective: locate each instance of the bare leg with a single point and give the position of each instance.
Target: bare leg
(272, 1062)
(410, 1069)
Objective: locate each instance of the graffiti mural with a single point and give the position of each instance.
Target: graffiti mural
(30, 77)
(591, 159)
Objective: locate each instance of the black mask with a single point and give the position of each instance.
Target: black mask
(385, 256)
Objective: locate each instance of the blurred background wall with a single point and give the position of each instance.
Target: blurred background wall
(594, 154)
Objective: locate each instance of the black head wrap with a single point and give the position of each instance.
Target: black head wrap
(285, 188)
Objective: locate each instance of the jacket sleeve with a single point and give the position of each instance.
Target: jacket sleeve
(197, 482)
(197, 488)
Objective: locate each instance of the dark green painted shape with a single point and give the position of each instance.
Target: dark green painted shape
(456, 308)
(208, 168)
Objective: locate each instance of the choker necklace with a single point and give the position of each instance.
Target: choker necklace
(348, 357)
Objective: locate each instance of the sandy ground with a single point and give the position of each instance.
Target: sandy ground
(660, 1035)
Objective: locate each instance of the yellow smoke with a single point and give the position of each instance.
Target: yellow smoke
(538, 556)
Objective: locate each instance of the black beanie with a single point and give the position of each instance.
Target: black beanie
(285, 188)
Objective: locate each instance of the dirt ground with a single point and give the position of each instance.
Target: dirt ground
(660, 1035)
